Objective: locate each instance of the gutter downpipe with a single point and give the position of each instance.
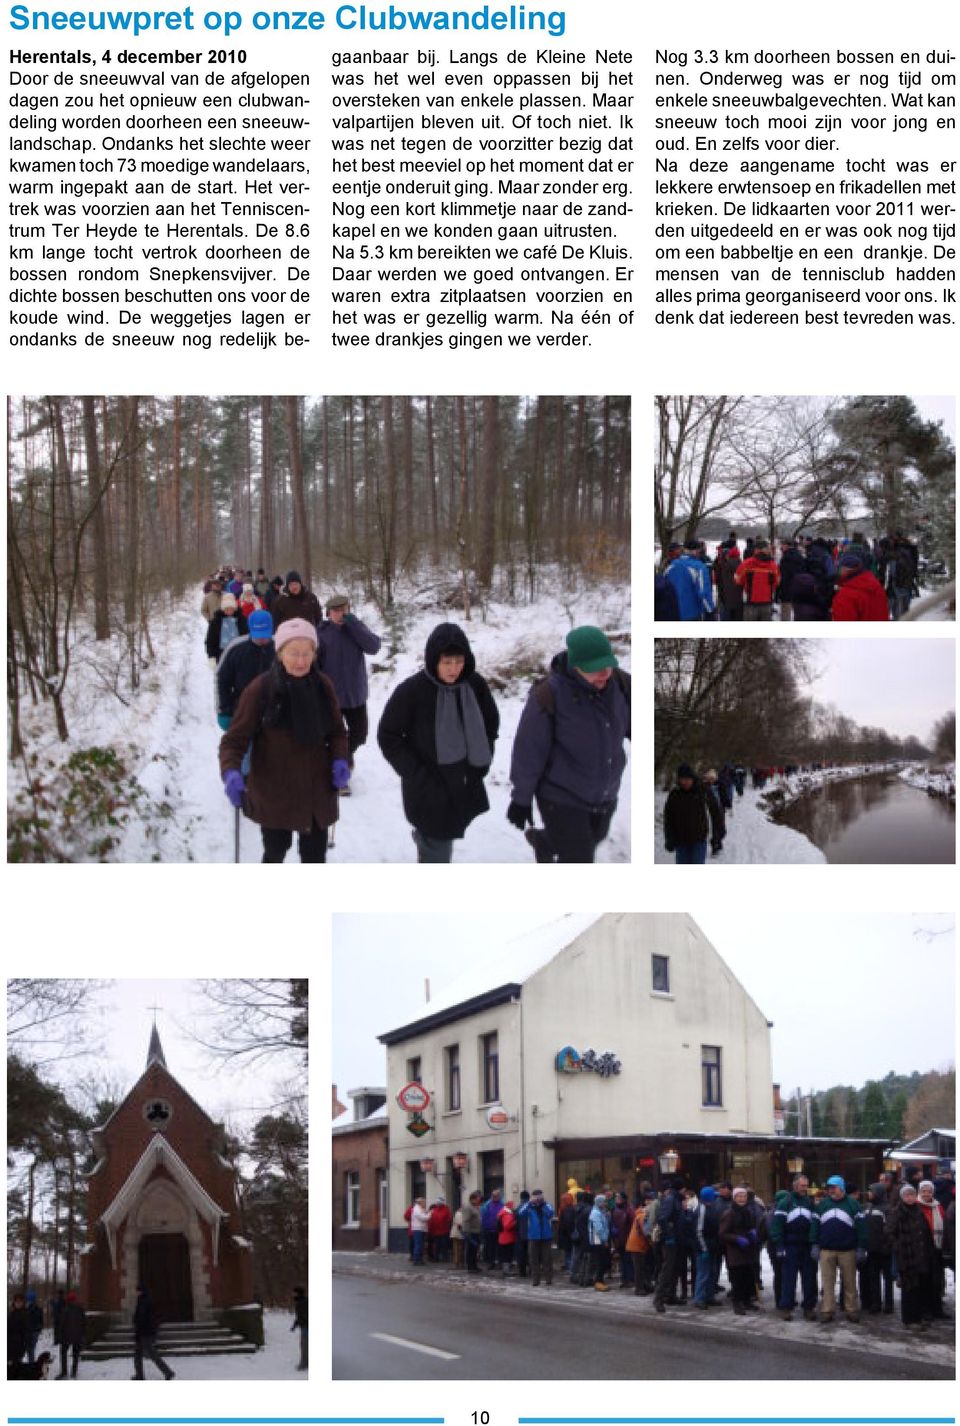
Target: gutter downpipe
(523, 1102)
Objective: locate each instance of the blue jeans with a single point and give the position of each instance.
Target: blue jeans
(706, 1283)
(798, 1260)
(693, 854)
(418, 1238)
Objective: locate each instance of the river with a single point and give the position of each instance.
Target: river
(876, 819)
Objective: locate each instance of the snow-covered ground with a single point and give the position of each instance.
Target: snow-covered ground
(275, 1361)
(751, 835)
(941, 780)
(169, 737)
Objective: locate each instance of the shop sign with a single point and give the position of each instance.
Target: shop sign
(413, 1098)
(570, 1061)
(497, 1117)
(418, 1126)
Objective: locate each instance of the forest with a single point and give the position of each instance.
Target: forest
(59, 1091)
(117, 503)
(899, 1107)
(748, 701)
(778, 466)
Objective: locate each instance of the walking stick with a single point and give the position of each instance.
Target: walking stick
(236, 834)
(332, 839)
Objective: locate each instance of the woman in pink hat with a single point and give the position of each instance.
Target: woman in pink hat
(291, 717)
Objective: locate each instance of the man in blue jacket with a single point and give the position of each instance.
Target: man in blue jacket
(343, 640)
(490, 1227)
(838, 1238)
(538, 1215)
(690, 578)
(568, 750)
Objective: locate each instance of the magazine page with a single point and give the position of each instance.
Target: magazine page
(336, 343)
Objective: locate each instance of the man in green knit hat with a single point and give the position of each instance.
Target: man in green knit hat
(568, 750)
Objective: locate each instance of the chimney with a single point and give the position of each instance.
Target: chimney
(777, 1105)
(426, 990)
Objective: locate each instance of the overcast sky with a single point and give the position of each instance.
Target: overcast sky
(123, 1019)
(886, 1002)
(899, 684)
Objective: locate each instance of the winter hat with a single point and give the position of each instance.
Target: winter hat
(294, 629)
(260, 624)
(600, 1198)
(293, 578)
(906, 1188)
(228, 601)
(685, 770)
(337, 601)
(707, 1194)
(588, 649)
(851, 561)
(691, 544)
(835, 1181)
(248, 589)
(276, 582)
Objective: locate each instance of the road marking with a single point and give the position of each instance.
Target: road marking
(416, 1346)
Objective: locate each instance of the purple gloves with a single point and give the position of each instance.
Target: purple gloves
(752, 1235)
(234, 786)
(743, 1243)
(341, 773)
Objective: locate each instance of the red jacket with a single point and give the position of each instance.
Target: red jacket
(861, 598)
(759, 577)
(441, 1219)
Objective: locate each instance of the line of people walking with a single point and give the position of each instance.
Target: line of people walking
(815, 579)
(291, 703)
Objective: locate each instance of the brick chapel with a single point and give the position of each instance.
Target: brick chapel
(163, 1208)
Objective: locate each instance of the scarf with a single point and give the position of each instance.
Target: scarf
(458, 727)
(933, 1214)
(229, 629)
(301, 705)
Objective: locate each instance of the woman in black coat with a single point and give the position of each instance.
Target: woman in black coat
(438, 732)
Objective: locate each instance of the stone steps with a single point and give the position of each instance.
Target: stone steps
(174, 1339)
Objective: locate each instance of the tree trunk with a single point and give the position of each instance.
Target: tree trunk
(487, 494)
(301, 530)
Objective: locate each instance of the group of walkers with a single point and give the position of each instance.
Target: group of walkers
(68, 1319)
(697, 808)
(673, 1245)
(815, 579)
(292, 692)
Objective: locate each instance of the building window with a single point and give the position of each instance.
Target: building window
(452, 1055)
(415, 1071)
(491, 1171)
(710, 1066)
(417, 1180)
(352, 1219)
(661, 974)
(490, 1068)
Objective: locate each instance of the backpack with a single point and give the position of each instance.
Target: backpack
(547, 703)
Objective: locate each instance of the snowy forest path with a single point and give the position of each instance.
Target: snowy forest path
(177, 762)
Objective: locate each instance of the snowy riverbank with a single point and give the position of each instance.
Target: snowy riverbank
(167, 735)
(939, 782)
(751, 834)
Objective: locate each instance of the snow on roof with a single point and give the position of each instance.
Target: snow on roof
(515, 961)
(345, 1122)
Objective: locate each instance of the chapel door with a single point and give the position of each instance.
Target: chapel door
(165, 1272)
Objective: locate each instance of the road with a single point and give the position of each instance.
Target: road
(469, 1337)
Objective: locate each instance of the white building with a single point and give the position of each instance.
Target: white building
(680, 1063)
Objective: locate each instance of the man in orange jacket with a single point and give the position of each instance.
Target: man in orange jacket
(860, 597)
(758, 577)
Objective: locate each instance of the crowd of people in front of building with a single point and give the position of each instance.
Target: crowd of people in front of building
(292, 690)
(827, 1249)
(809, 578)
